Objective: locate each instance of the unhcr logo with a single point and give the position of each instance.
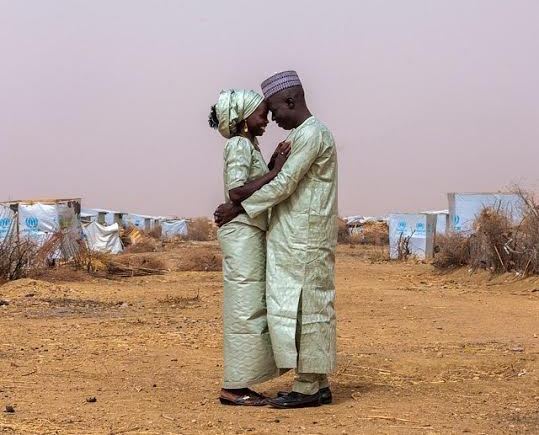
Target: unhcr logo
(5, 223)
(32, 222)
(456, 220)
(401, 226)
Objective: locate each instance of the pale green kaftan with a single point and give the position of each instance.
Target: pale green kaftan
(301, 238)
(248, 357)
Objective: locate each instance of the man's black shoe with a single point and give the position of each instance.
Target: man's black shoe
(295, 400)
(325, 395)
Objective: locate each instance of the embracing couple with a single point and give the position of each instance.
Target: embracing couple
(278, 233)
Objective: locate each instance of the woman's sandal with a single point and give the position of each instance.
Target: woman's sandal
(251, 399)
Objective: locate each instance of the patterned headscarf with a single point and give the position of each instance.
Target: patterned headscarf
(234, 106)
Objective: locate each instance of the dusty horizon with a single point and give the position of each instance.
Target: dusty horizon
(109, 101)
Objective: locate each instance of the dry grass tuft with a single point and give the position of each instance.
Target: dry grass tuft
(452, 250)
(150, 262)
(375, 233)
(201, 229)
(181, 301)
(497, 244)
(145, 244)
(343, 235)
(155, 232)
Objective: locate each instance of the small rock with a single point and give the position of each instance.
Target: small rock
(3, 302)
(9, 409)
(91, 399)
(517, 349)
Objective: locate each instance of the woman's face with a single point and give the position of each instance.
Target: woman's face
(258, 120)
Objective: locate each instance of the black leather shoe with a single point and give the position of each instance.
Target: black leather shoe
(325, 395)
(295, 400)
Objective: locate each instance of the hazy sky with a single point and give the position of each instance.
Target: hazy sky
(108, 99)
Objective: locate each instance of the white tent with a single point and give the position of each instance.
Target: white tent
(103, 238)
(173, 228)
(442, 220)
(37, 221)
(419, 227)
(464, 208)
(7, 220)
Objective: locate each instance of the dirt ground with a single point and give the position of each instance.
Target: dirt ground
(418, 352)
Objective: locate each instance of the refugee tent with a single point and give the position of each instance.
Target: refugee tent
(356, 223)
(134, 220)
(7, 221)
(418, 227)
(39, 220)
(88, 215)
(140, 221)
(103, 238)
(442, 220)
(173, 228)
(464, 208)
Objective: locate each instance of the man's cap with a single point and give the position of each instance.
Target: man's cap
(279, 82)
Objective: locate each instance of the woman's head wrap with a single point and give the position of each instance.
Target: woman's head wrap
(234, 106)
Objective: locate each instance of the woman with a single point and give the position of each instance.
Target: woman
(241, 116)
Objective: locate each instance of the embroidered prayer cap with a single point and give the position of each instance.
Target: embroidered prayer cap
(279, 82)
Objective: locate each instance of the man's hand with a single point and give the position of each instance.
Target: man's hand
(226, 212)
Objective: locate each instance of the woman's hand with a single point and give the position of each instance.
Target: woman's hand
(280, 156)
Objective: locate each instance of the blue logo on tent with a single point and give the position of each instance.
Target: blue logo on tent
(456, 220)
(402, 225)
(5, 223)
(32, 222)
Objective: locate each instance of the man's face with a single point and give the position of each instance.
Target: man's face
(282, 110)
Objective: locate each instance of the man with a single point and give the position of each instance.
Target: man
(301, 241)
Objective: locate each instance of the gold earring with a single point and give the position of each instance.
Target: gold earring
(245, 128)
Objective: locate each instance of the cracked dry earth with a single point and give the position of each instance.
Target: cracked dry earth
(418, 352)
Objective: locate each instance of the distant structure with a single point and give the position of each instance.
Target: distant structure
(464, 208)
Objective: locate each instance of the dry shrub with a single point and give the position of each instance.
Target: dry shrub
(403, 247)
(492, 229)
(379, 254)
(155, 232)
(141, 261)
(496, 244)
(145, 244)
(201, 229)
(21, 256)
(343, 234)
(370, 233)
(375, 233)
(201, 261)
(63, 273)
(452, 250)
(181, 301)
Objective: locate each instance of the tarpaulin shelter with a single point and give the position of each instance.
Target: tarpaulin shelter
(464, 208)
(103, 238)
(39, 220)
(418, 227)
(173, 228)
(442, 220)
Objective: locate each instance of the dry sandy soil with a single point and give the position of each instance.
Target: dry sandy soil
(419, 352)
